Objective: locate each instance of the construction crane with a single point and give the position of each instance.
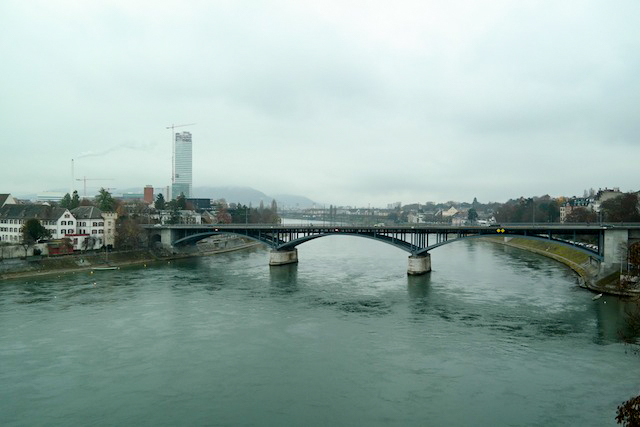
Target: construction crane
(85, 179)
(173, 148)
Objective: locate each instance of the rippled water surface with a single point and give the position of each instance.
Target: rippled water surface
(493, 336)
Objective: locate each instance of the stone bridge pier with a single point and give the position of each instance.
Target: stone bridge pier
(419, 264)
(283, 257)
(615, 248)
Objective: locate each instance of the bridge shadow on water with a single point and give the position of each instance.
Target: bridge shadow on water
(283, 279)
(419, 287)
(420, 296)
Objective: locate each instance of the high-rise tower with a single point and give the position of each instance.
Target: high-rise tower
(182, 181)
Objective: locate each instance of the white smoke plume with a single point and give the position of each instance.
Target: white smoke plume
(123, 146)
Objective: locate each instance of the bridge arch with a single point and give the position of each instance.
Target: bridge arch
(155, 239)
(407, 247)
(589, 252)
(193, 238)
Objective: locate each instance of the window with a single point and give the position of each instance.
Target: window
(93, 232)
(63, 223)
(101, 224)
(70, 222)
(66, 215)
(75, 240)
(100, 231)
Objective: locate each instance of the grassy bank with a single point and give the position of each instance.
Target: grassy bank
(578, 261)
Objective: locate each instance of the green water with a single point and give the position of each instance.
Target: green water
(493, 336)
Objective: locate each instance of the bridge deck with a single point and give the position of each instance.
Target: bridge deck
(417, 239)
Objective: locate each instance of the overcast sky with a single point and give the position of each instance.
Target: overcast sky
(345, 102)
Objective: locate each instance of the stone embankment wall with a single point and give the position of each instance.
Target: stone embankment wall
(43, 265)
(18, 251)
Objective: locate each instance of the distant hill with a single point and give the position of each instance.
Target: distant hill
(246, 195)
(292, 201)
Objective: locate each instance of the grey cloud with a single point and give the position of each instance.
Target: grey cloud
(331, 101)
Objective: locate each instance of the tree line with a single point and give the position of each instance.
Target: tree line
(623, 208)
(238, 213)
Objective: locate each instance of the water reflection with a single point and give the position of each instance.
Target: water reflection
(419, 290)
(612, 320)
(283, 279)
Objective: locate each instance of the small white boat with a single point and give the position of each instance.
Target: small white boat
(106, 260)
(597, 297)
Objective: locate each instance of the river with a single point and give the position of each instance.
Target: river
(492, 336)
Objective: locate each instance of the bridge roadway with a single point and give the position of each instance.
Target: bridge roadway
(418, 240)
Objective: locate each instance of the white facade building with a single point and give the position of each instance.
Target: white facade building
(182, 181)
(95, 229)
(86, 226)
(58, 221)
(450, 212)
(89, 233)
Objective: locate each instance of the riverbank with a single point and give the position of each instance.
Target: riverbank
(588, 271)
(44, 266)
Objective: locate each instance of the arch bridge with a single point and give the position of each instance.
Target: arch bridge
(600, 242)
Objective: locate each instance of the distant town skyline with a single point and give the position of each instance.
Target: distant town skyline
(344, 102)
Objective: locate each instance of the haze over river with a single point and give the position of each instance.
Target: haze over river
(492, 336)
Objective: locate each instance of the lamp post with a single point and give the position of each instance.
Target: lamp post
(533, 207)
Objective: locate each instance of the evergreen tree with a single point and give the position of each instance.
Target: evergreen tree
(75, 200)
(181, 202)
(105, 202)
(472, 215)
(66, 201)
(160, 202)
(32, 231)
